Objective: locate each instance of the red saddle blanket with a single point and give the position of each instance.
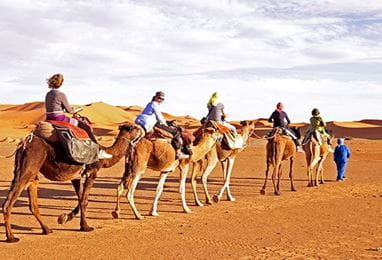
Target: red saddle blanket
(77, 132)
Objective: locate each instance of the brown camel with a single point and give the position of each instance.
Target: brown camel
(39, 156)
(159, 155)
(279, 148)
(226, 156)
(315, 155)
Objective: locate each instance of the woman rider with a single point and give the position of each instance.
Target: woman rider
(216, 112)
(152, 116)
(56, 104)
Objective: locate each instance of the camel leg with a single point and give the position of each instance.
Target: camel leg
(228, 171)
(193, 183)
(13, 194)
(131, 186)
(291, 174)
(182, 186)
(120, 189)
(318, 171)
(262, 191)
(229, 195)
(162, 180)
(279, 174)
(33, 206)
(84, 201)
(225, 166)
(275, 172)
(66, 217)
(211, 165)
(322, 181)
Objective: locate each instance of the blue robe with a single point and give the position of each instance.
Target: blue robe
(341, 156)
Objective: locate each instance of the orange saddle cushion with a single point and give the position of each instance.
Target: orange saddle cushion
(78, 132)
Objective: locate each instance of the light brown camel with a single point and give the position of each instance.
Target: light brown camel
(279, 148)
(315, 155)
(159, 155)
(226, 156)
(39, 156)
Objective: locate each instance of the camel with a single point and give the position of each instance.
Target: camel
(37, 155)
(279, 148)
(159, 155)
(220, 152)
(315, 155)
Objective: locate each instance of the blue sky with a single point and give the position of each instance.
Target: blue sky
(325, 54)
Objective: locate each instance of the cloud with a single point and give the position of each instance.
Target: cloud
(257, 52)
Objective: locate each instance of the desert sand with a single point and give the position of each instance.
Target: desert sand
(333, 221)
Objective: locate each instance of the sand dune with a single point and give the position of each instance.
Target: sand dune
(18, 120)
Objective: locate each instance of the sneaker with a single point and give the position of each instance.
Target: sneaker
(102, 154)
(180, 155)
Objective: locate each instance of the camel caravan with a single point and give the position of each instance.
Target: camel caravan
(64, 148)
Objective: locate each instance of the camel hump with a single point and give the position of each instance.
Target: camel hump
(46, 131)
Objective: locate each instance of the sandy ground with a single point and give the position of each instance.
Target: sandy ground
(334, 221)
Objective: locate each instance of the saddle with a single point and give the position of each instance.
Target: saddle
(75, 141)
(230, 140)
(158, 133)
(311, 134)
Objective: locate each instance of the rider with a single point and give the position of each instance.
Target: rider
(56, 104)
(216, 112)
(151, 116)
(318, 126)
(279, 118)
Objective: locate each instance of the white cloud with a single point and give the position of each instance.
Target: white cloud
(256, 52)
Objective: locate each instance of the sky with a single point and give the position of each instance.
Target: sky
(254, 53)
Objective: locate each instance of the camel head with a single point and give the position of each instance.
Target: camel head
(249, 125)
(129, 131)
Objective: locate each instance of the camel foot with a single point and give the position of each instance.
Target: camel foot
(115, 214)
(13, 240)
(310, 185)
(86, 229)
(139, 217)
(231, 198)
(216, 198)
(209, 202)
(187, 210)
(322, 182)
(46, 231)
(277, 193)
(62, 219)
(154, 213)
(293, 189)
(262, 192)
(198, 203)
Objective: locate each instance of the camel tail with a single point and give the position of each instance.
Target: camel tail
(17, 167)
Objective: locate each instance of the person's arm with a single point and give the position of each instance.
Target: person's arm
(65, 104)
(322, 122)
(348, 152)
(158, 114)
(270, 119)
